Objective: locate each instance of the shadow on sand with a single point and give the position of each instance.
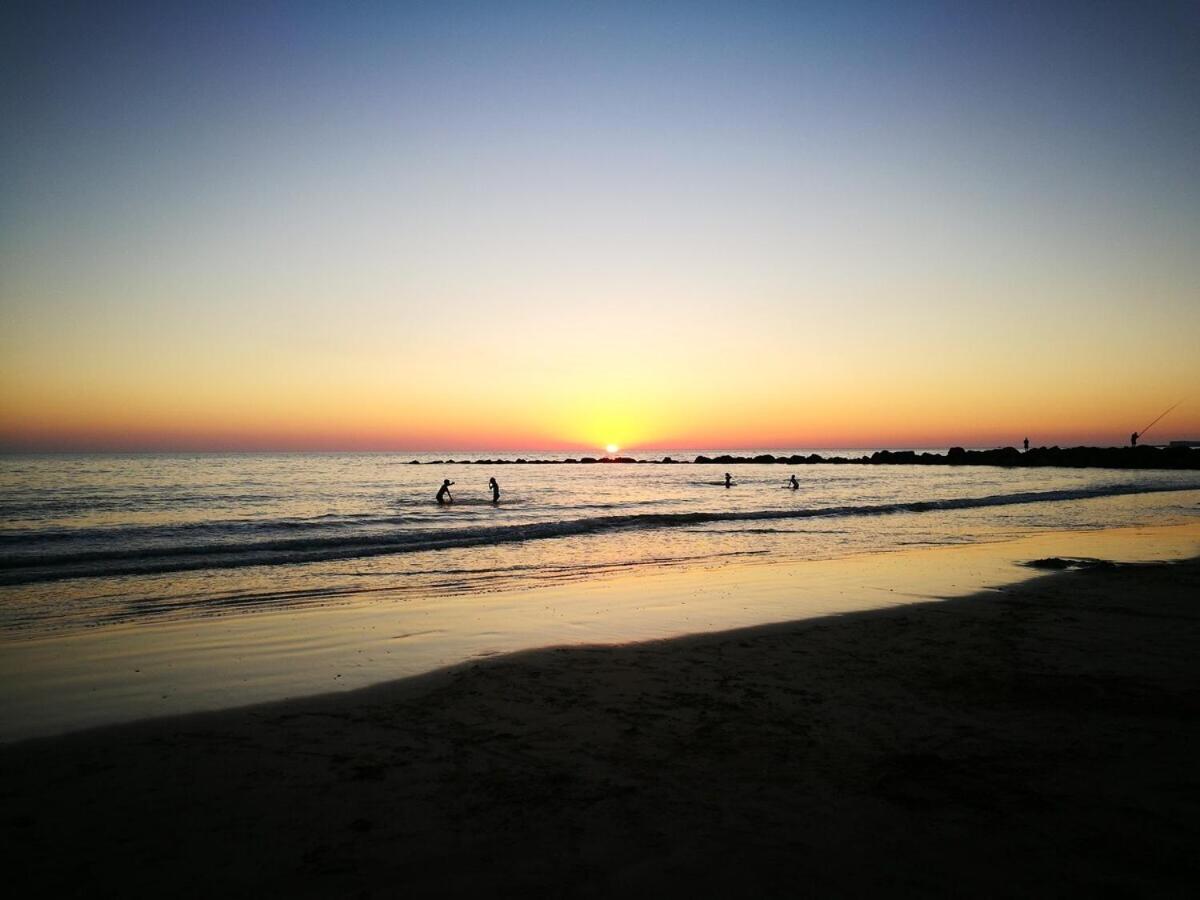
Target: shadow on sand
(1033, 740)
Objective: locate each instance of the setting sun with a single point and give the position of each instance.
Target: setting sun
(611, 448)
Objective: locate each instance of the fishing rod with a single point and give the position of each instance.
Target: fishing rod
(1142, 433)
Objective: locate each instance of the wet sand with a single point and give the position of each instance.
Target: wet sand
(1035, 740)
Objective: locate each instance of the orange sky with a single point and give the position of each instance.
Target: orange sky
(760, 405)
(900, 368)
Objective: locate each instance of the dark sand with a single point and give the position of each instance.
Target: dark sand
(1041, 740)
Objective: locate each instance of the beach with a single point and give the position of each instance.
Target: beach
(140, 586)
(1035, 739)
(600, 450)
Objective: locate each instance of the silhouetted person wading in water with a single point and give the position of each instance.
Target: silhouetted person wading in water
(495, 490)
(794, 483)
(728, 480)
(443, 494)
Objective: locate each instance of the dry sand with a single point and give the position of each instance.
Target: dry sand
(1039, 740)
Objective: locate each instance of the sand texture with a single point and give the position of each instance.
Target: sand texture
(1038, 740)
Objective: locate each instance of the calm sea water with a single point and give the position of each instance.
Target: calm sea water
(99, 539)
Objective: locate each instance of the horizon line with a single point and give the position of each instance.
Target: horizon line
(596, 453)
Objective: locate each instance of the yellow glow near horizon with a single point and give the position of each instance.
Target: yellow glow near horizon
(611, 448)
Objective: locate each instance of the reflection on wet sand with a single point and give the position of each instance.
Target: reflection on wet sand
(132, 671)
(1034, 740)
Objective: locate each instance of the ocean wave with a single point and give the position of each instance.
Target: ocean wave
(165, 557)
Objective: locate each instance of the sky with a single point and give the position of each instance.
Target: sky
(564, 225)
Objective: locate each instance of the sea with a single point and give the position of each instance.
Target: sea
(101, 555)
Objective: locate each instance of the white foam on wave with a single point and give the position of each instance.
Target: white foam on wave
(188, 556)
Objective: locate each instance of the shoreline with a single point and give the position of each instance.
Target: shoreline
(1034, 739)
(31, 569)
(125, 672)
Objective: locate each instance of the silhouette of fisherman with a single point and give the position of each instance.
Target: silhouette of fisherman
(1026, 445)
(443, 494)
(795, 484)
(728, 480)
(1133, 439)
(495, 490)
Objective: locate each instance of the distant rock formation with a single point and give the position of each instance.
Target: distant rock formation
(1174, 456)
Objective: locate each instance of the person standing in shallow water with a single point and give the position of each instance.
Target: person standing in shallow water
(794, 483)
(495, 490)
(443, 494)
(728, 480)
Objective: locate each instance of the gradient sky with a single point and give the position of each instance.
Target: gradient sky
(452, 225)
